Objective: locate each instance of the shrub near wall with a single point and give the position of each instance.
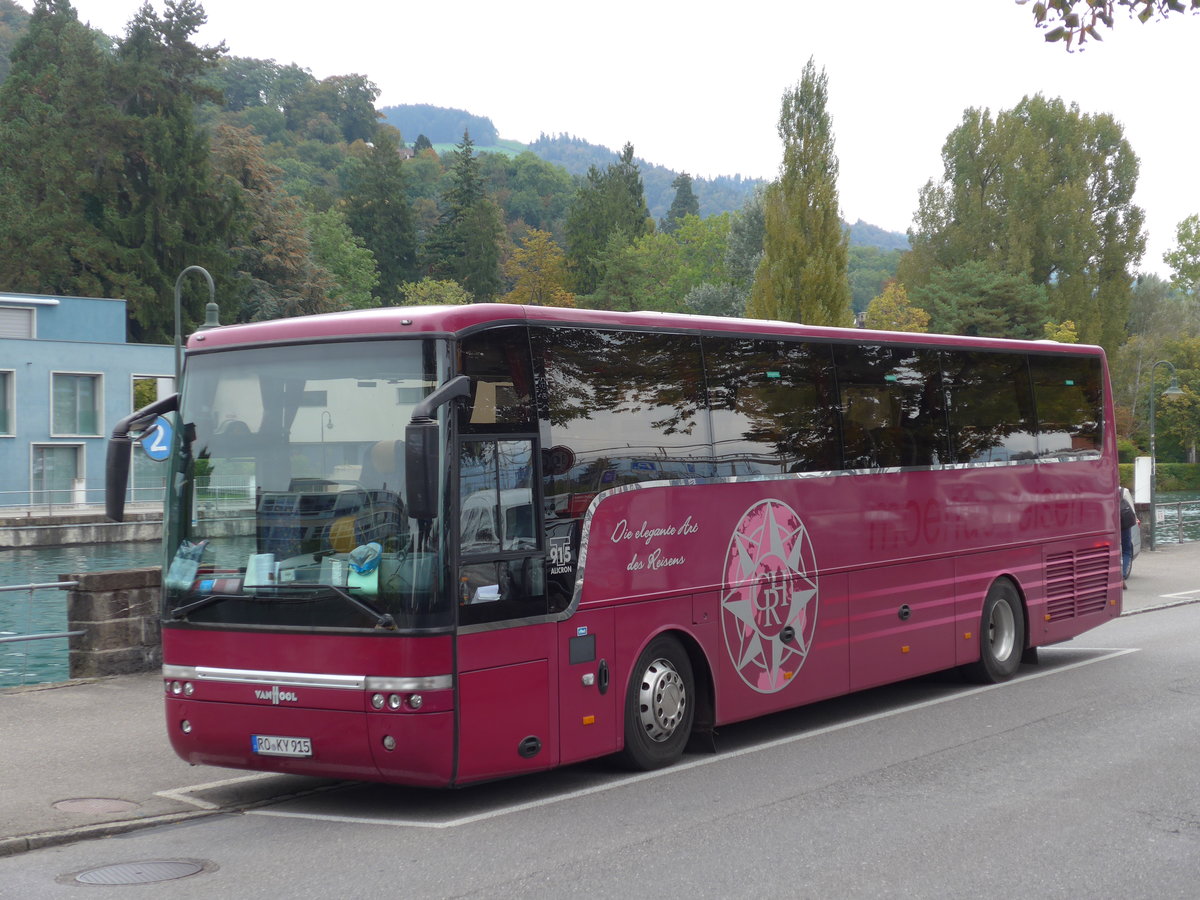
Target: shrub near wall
(1172, 477)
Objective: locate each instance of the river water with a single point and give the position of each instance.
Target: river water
(37, 662)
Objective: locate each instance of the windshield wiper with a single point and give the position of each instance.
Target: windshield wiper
(182, 612)
(382, 619)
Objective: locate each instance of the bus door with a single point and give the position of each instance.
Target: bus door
(505, 643)
(590, 699)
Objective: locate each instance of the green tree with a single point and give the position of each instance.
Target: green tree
(532, 192)
(61, 162)
(338, 108)
(166, 213)
(343, 254)
(1184, 258)
(1074, 21)
(802, 275)
(892, 311)
(466, 242)
(978, 299)
(607, 204)
(379, 211)
(684, 204)
(13, 23)
(1043, 192)
(869, 269)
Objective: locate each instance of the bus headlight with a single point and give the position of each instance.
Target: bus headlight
(377, 701)
(415, 701)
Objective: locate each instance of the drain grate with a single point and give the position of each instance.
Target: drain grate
(140, 872)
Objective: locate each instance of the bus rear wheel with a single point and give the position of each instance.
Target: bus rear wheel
(659, 705)
(1001, 636)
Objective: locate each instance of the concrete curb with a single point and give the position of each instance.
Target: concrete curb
(23, 843)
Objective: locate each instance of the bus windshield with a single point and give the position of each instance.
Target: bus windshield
(287, 507)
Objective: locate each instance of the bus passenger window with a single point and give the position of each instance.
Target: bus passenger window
(893, 408)
(772, 406)
(1068, 393)
(991, 407)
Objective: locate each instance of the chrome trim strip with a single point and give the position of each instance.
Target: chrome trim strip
(250, 676)
(310, 679)
(407, 685)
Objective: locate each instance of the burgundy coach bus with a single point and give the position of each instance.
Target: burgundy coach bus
(436, 546)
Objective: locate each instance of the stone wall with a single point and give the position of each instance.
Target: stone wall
(63, 530)
(119, 615)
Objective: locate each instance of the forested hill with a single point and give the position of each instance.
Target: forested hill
(725, 193)
(446, 126)
(440, 124)
(715, 195)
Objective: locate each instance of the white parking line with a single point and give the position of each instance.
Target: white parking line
(1182, 595)
(1110, 653)
(180, 794)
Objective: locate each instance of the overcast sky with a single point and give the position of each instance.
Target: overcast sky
(696, 86)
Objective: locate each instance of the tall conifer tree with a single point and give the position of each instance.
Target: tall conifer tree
(378, 211)
(610, 203)
(803, 274)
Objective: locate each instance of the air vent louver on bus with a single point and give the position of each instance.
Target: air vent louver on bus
(1077, 583)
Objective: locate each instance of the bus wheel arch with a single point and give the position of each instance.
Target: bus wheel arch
(1003, 634)
(665, 689)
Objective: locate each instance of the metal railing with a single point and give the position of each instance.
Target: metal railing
(14, 638)
(1177, 523)
(49, 502)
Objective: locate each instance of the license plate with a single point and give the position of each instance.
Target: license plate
(273, 745)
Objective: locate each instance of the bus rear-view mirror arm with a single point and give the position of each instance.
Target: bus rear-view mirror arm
(421, 448)
(120, 445)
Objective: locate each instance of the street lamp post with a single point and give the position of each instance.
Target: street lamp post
(212, 297)
(1172, 391)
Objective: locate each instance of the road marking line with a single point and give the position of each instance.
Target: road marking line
(1181, 594)
(179, 793)
(1110, 653)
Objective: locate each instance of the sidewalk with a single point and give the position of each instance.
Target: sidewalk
(103, 744)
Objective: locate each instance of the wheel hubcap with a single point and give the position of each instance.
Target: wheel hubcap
(1002, 631)
(662, 700)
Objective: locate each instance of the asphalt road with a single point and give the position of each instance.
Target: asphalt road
(1077, 779)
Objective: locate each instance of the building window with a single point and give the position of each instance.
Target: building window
(57, 473)
(16, 322)
(6, 402)
(75, 404)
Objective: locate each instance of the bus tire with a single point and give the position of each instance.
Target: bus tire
(1001, 635)
(659, 705)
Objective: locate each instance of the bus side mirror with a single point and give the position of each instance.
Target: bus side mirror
(421, 451)
(120, 446)
(420, 468)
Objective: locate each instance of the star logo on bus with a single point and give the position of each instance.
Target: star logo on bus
(769, 599)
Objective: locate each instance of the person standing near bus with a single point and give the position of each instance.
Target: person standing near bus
(1129, 522)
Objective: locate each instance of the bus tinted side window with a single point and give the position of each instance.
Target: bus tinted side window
(1069, 393)
(991, 407)
(773, 406)
(893, 410)
(497, 362)
(624, 407)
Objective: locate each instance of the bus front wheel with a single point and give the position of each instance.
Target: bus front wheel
(659, 705)
(1001, 636)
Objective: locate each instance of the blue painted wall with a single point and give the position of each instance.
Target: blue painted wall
(75, 335)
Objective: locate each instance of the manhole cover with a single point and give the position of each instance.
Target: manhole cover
(140, 872)
(94, 805)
